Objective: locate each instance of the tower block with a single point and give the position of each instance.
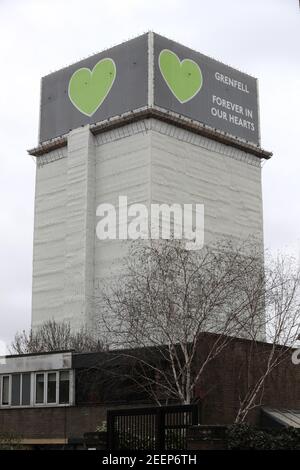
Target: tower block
(149, 120)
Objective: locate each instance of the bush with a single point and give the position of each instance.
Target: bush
(9, 441)
(246, 437)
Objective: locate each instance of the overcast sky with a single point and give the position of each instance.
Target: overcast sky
(261, 37)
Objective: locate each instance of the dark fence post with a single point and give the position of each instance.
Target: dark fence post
(110, 430)
(195, 414)
(160, 429)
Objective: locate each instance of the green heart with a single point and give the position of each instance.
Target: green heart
(183, 78)
(88, 89)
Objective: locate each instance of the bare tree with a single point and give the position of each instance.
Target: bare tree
(282, 324)
(168, 296)
(54, 336)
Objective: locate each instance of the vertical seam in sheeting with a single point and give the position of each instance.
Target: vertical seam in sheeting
(150, 165)
(150, 69)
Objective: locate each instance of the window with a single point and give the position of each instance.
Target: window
(57, 386)
(26, 383)
(15, 389)
(48, 388)
(5, 390)
(39, 388)
(64, 387)
(51, 388)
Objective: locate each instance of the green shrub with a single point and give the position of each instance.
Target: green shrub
(9, 441)
(246, 437)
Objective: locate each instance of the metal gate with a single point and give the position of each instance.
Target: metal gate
(156, 428)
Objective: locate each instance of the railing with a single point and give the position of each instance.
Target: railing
(156, 428)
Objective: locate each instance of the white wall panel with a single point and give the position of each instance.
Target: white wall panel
(149, 162)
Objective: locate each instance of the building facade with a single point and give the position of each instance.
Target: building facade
(53, 399)
(159, 149)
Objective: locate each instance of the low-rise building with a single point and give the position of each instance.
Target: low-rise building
(53, 399)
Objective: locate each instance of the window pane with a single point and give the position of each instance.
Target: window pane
(25, 389)
(15, 389)
(5, 390)
(51, 390)
(39, 393)
(64, 387)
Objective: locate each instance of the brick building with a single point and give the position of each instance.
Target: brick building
(54, 398)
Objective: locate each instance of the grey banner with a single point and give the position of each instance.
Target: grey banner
(205, 90)
(125, 87)
(115, 81)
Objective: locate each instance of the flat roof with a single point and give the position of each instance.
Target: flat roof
(284, 417)
(62, 351)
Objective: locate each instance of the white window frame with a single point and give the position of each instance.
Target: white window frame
(21, 385)
(21, 390)
(56, 404)
(45, 387)
(71, 388)
(33, 403)
(9, 391)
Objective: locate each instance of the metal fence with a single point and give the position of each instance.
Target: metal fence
(156, 428)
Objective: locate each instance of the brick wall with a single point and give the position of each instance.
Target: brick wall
(38, 423)
(229, 376)
(225, 380)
